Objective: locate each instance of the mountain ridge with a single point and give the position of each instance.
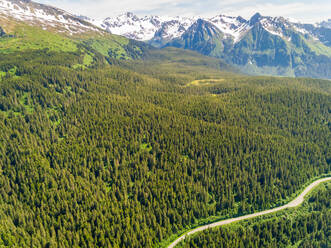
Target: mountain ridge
(229, 25)
(45, 16)
(260, 45)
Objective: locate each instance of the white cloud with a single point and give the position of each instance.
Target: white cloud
(301, 10)
(105, 8)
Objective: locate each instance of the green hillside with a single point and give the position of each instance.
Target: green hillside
(22, 37)
(106, 142)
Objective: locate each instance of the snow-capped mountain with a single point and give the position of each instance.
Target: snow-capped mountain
(261, 45)
(326, 24)
(233, 27)
(153, 28)
(158, 30)
(145, 28)
(45, 16)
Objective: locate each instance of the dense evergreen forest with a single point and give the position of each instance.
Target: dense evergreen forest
(305, 227)
(128, 154)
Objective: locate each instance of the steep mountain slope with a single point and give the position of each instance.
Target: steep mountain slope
(326, 24)
(131, 152)
(321, 32)
(202, 37)
(265, 45)
(26, 25)
(232, 27)
(261, 45)
(47, 17)
(146, 28)
(278, 48)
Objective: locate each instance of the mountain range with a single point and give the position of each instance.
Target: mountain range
(260, 45)
(108, 141)
(27, 25)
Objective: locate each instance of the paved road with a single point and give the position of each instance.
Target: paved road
(296, 202)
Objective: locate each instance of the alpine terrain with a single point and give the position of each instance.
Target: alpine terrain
(260, 45)
(135, 132)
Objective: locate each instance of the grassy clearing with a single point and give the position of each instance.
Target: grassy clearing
(205, 82)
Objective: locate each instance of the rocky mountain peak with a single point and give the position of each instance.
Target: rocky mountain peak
(255, 18)
(326, 24)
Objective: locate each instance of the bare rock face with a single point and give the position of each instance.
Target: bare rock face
(260, 45)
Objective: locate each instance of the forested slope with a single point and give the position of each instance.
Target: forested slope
(101, 155)
(307, 226)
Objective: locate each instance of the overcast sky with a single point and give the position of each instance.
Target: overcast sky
(302, 10)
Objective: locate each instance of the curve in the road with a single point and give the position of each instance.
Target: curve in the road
(296, 202)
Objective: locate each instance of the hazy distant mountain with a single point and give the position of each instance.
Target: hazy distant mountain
(261, 45)
(326, 24)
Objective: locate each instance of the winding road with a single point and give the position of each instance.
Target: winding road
(296, 202)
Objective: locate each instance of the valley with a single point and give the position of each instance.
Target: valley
(261, 45)
(109, 141)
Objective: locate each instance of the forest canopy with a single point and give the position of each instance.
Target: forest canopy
(99, 152)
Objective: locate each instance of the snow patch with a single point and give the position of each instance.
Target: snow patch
(144, 28)
(231, 26)
(47, 16)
